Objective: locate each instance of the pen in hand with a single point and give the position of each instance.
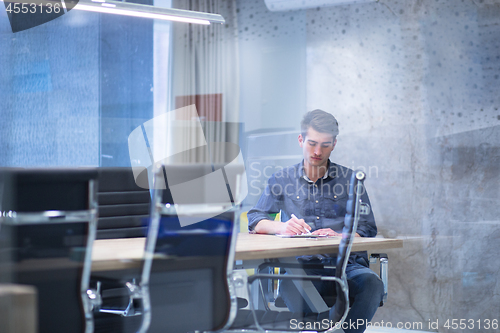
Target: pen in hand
(308, 232)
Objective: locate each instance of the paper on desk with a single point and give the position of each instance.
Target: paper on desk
(302, 236)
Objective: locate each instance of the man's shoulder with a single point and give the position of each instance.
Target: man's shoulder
(339, 171)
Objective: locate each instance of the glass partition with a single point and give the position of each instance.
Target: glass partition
(75, 87)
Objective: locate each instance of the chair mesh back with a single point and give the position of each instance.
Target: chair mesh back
(38, 190)
(189, 290)
(122, 204)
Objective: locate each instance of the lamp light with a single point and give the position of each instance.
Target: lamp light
(121, 8)
(148, 11)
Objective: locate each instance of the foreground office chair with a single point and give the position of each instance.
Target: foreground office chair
(49, 221)
(267, 320)
(184, 282)
(191, 280)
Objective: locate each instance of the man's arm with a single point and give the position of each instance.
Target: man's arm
(294, 226)
(267, 205)
(259, 220)
(366, 224)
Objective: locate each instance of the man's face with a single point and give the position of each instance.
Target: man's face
(316, 147)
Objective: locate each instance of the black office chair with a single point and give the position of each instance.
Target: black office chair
(184, 284)
(49, 219)
(191, 278)
(268, 320)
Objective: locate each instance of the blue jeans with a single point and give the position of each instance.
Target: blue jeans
(365, 293)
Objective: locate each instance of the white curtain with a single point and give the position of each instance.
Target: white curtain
(205, 62)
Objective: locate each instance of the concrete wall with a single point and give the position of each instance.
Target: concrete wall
(414, 86)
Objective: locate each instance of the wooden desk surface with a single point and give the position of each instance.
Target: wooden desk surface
(253, 246)
(122, 253)
(116, 254)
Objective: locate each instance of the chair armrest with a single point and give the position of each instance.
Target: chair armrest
(384, 271)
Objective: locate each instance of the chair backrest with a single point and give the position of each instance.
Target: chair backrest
(189, 287)
(48, 231)
(194, 253)
(122, 204)
(348, 233)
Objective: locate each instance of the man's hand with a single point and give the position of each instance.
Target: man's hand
(294, 226)
(329, 232)
(326, 231)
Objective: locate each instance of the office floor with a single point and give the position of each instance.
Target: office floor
(242, 292)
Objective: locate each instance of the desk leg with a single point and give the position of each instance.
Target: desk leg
(306, 288)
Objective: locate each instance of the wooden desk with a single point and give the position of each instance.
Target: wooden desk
(117, 254)
(253, 246)
(112, 254)
(251, 250)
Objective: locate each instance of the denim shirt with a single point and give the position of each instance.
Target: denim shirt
(321, 204)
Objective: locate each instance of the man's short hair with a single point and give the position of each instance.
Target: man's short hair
(320, 121)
